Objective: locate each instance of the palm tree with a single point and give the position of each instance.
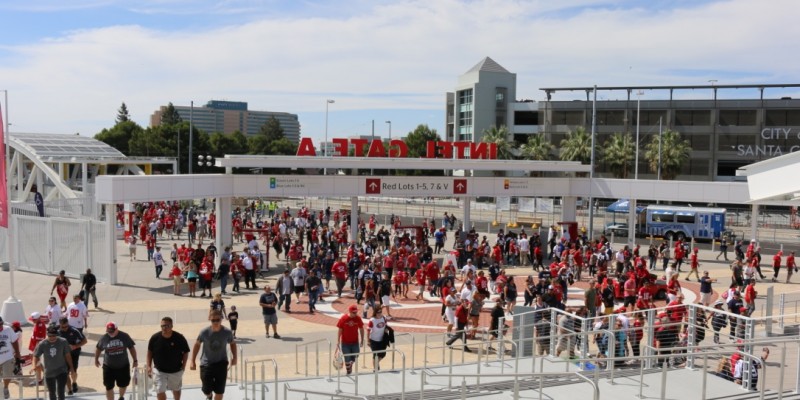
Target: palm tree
(499, 136)
(577, 146)
(674, 152)
(618, 153)
(537, 148)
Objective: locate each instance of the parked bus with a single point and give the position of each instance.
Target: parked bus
(685, 222)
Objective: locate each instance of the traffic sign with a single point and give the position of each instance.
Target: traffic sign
(459, 186)
(373, 186)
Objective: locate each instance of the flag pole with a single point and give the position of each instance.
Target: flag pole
(12, 308)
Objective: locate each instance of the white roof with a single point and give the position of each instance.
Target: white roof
(45, 145)
(774, 181)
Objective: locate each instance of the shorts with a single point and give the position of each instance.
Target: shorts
(121, 377)
(385, 300)
(164, 381)
(271, 319)
(75, 354)
(213, 377)
(206, 284)
(376, 346)
(705, 298)
(299, 289)
(192, 280)
(7, 368)
(451, 315)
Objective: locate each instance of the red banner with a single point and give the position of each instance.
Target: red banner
(3, 185)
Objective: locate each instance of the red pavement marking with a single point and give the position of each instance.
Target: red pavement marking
(431, 316)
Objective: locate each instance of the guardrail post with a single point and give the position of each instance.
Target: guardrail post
(781, 310)
(705, 375)
(664, 379)
(264, 382)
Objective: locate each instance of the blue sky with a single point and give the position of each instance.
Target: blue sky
(68, 65)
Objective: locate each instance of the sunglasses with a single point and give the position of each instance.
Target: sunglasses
(216, 320)
(166, 326)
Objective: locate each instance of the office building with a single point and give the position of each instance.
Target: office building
(724, 133)
(230, 116)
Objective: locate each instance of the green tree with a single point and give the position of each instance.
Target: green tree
(674, 153)
(619, 153)
(149, 142)
(122, 114)
(270, 140)
(577, 146)
(221, 143)
(119, 136)
(499, 136)
(170, 115)
(417, 142)
(536, 148)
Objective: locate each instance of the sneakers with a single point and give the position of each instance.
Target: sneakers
(467, 349)
(276, 336)
(7, 394)
(268, 336)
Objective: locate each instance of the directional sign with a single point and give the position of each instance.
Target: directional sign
(373, 186)
(459, 186)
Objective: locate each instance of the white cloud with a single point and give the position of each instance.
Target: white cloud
(401, 55)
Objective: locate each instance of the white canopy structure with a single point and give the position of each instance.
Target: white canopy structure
(774, 181)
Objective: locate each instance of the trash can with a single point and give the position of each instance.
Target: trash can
(5, 266)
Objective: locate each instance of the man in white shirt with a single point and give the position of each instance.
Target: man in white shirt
(158, 259)
(249, 272)
(466, 268)
(524, 250)
(466, 291)
(77, 313)
(9, 352)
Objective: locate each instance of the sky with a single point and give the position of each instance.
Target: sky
(67, 66)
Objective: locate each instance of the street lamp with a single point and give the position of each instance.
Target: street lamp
(206, 160)
(325, 144)
(390, 129)
(638, 112)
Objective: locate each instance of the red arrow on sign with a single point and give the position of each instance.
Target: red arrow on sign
(373, 186)
(459, 186)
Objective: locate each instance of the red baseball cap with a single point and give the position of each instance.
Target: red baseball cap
(111, 327)
(353, 307)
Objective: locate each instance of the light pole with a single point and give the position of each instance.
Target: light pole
(638, 112)
(325, 144)
(191, 112)
(390, 129)
(206, 160)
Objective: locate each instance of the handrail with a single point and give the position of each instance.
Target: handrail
(287, 389)
(413, 349)
(541, 375)
(375, 372)
(19, 379)
(316, 345)
(263, 377)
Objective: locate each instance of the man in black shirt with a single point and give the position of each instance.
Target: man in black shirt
(88, 286)
(312, 288)
(168, 350)
(76, 340)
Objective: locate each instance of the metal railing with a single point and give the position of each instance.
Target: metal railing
(316, 347)
(20, 381)
(287, 389)
(263, 382)
(515, 395)
(375, 372)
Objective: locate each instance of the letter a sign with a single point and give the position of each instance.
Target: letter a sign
(373, 186)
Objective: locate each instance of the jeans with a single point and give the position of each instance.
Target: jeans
(93, 294)
(312, 299)
(350, 348)
(250, 278)
(159, 268)
(285, 298)
(55, 386)
(460, 334)
(223, 282)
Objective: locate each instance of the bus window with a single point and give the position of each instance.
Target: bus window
(685, 218)
(663, 217)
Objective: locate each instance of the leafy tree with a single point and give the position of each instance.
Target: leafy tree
(499, 136)
(170, 115)
(270, 140)
(119, 136)
(417, 142)
(122, 114)
(619, 153)
(577, 146)
(221, 144)
(536, 148)
(149, 142)
(674, 153)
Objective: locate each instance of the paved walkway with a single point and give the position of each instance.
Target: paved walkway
(138, 303)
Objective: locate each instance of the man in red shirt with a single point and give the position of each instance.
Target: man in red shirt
(677, 310)
(339, 271)
(420, 277)
(462, 316)
(351, 336)
(432, 273)
(750, 294)
(791, 267)
(693, 263)
(645, 300)
(776, 265)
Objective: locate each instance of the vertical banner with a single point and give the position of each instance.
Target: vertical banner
(3, 185)
(527, 204)
(503, 203)
(544, 205)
